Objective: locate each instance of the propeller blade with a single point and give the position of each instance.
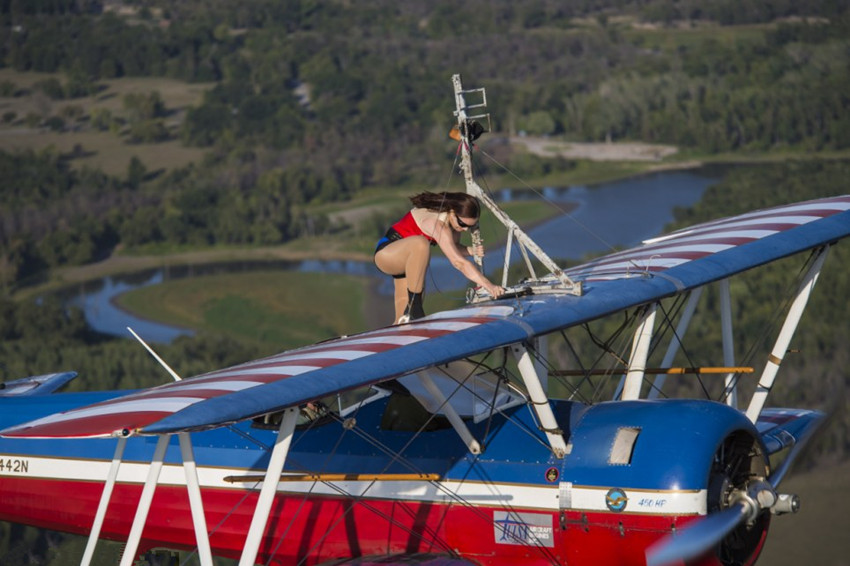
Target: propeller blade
(696, 538)
(779, 473)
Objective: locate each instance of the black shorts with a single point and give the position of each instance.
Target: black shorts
(389, 237)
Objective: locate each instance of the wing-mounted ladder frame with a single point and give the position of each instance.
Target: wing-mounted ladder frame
(565, 284)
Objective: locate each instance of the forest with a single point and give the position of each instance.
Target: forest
(315, 102)
(301, 114)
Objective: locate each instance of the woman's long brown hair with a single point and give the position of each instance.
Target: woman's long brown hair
(462, 204)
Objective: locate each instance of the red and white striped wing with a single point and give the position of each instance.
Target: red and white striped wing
(125, 415)
(676, 248)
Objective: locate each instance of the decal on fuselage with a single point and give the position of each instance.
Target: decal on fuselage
(635, 500)
(523, 529)
(14, 465)
(616, 499)
(652, 502)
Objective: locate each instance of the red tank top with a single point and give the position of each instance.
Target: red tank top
(407, 227)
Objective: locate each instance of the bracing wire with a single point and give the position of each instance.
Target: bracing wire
(445, 189)
(677, 307)
(397, 456)
(587, 378)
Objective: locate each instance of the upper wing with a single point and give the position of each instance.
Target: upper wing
(736, 243)
(660, 268)
(309, 373)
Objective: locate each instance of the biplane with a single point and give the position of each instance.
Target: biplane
(439, 441)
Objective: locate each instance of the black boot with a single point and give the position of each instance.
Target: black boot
(414, 307)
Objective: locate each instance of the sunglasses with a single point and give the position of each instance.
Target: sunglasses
(463, 224)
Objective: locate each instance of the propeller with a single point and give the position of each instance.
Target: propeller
(694, 541)
(704, 534)
(743, 504)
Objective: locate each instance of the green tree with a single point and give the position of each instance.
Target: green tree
(148, 131)
(136, 172)
(205, 124)
(101, 118)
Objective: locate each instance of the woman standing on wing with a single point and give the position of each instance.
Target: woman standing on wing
(436, 219)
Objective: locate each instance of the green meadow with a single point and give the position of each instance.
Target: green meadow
(273, 309)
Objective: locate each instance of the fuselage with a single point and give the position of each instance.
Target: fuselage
(377, 486)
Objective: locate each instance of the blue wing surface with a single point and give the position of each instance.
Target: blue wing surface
(783, 428)
(660, 268)
(36, 384)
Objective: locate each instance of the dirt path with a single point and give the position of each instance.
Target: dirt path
(619, 151)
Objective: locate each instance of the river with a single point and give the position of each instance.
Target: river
(616, 214)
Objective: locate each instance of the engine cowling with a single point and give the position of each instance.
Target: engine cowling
(640, 470)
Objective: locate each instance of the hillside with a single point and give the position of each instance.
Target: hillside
(281, 114)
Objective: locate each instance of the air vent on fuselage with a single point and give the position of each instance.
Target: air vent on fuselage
(624, 446)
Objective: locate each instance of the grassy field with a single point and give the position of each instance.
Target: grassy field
(107, 151)
(274, 309)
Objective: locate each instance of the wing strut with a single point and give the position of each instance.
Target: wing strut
(144, 505)
(267, 492)
(768, 375)
(730, 389)
(450, 413)
(640, 353)
(192, 484)
(104, 502)
(539, 401)
(195, 502)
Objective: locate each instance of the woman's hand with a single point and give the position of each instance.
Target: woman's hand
(475, 250)
(494, 290)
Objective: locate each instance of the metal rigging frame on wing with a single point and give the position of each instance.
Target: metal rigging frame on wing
(558, 280)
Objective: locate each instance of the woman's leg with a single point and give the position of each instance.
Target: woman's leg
(409, 258)
(400, 296)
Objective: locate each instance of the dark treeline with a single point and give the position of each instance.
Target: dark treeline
(288, 77)
(53, 215)
(312, 101)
